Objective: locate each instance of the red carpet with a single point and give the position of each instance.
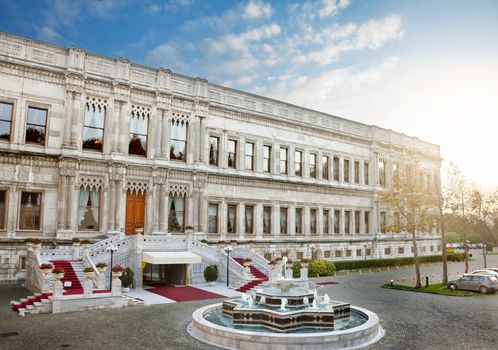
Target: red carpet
(261, 277)
(323, 283)
(183, 293)
(69, 276)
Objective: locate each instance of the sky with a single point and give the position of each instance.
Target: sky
(424, 68)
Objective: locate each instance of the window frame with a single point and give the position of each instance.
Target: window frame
(11, 121)
(313, 166)
(300, 163)
(314, 214)
(325, 221)
(252, 157)
(42, 193)
(217, 161)
(301, 230)
(3, 224)
(146, 136)
(265, 207)
(336, 161)
(357, 222)
(356, 172)
(345, 170)
(99, 215)
(187, 134)
(216, 228)
(366, 172)
(267, 159)
(104, 109)
(236, 143)
(234, 218)
(285, 161)
(286, 232)
(252, 206)
(184, 218)
(32, 105)
(337, 220)
(325, 167)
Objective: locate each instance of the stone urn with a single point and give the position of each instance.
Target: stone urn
(117, 274)
(88, 275)
(247, 263)
(101, 269)
(46, 271)
(58, 276)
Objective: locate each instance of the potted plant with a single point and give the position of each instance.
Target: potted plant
(28, 241)
(58, 272)
(101, 267)
(85, 243)
(127, 279)
(37, 242)
(46, 268)
(247, 262)
(211, 274)
(117, 270)
(88, 272)
(76, 241)
(189, 229)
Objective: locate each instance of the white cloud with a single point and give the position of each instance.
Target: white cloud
(331, 7)
(254, 10)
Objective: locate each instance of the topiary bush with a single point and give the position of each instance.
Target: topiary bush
(127, 278)
(211, 273)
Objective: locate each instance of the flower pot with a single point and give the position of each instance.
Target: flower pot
(247, 264)
(58, 276)
(125, 290)
(117, 274)
(88, 275)
(46, 271)
(212, 283)
(76, 244)
(101, 269)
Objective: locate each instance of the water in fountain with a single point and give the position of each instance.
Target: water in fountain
(250, 301)
(306, 301)
(283, 304)
(313, 304)
(326, 299)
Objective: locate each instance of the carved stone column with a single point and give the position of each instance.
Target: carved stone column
(71, 199)
(112, 205)
(68, 113)
(163, 208)
(165, 137)
(118, 224)
(76, 128)
(61, 204)
(118, 105)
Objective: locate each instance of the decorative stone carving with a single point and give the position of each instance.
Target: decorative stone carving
(180, 190)
(96, 102)
(10, 48)
(91, 183)
(141, 111)
(179, 117)
(139, 186)
(43, 56)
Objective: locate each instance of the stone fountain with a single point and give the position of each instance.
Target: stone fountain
(285, 315)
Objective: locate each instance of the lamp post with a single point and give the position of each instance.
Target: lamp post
(228, 249)
(365, 250)
(111, 249)
(312, 247)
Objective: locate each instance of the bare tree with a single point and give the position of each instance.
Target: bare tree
(411, 199)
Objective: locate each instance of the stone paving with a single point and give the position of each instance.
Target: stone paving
(411, 320)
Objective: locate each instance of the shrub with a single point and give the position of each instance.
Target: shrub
(28, 240)
(375, 263)
(321, 268)
(85, 241)
(58, 270)
(46, 266)
(247, 260)
(127, 278)
(88, 269)
(101, 265)
(211, 273)
(76, 240)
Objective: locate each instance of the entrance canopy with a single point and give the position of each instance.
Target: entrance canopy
(164, 258)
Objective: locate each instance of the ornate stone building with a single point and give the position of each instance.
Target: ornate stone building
(92, 146)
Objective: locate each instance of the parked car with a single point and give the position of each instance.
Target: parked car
(495, 269)
(474, 282)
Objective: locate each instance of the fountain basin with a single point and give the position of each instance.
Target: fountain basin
(232, 338)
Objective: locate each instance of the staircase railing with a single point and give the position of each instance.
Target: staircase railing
(256, 259)
(34, 276)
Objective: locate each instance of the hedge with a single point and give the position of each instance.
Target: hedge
(317, 267)
(374, 263)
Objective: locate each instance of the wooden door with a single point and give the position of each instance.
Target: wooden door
(135, 212)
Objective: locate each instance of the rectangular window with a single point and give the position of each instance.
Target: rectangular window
(336, 168)
(213, 218)
(387, 251)
(325, 167)
(401, 250)
(338, 253)
(139, 125)
(326, 254)
(93, 131)
(299, 255)
(299, 221)
(358, 252)
(283, 221)
(298, 163)
(249, 218)
(231, 218)
(89, 210)
(176, 217)
(348, 253)
(368, 252)
(357, 221)
(325, 221)
(283, 160)
(382, 221)
(313, 221)
(347, 221)
(267, 158)
(29, 218)
(356, 172)
(214, 143)
(382, 172)
(232, 153)
(367, 222)
(396, 174)
(366, 171)
(2, 209)
(313, 165)
(36, 125)
(337, 221)
(249, 156)
(178, 148)
(5, 120)
(267, 220)
(346, 170)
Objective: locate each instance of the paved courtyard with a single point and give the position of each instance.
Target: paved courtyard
(411, 320)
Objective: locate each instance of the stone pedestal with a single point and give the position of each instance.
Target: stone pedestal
(87, 286)
(116, 284)
(58, 287)
(101, 279)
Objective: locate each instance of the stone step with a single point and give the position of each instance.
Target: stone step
(23, 300)
(30, 307)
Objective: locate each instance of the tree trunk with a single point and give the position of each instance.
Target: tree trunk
(418, 284)
(484, 254)
(445, 258)
(466, 250)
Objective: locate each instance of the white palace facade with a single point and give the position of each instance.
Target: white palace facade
(95, 147)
